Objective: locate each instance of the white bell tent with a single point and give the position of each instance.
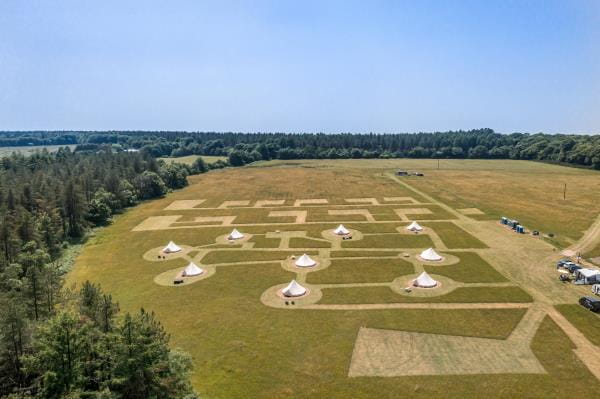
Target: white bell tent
(341, 230)
(305, 261)
(425, 281)
(293, 289)
(235, 235)
(192, 270)
(414, 226)
(171, 247)
(431, 255)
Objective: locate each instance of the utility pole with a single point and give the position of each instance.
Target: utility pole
(565, 192)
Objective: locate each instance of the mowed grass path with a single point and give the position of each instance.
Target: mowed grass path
(242, 348)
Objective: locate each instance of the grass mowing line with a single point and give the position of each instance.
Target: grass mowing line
(240, 256)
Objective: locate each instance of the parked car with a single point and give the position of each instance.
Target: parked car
(573, 267)
(590, 303)
(561, 263)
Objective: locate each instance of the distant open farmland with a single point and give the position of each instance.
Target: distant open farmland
(189, 159)
(5, 151)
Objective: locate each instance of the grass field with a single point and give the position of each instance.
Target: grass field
(361, 271)
(587, 322)
(189, 159)
(530, 192)
(244, 348)
(471, 268)
(453, 236)
(390, 241)
(27, 150)
(356, 295)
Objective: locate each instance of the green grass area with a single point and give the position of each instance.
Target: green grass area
(189, 159)
(359, 254)
(586, 321)
(234, 256)
(527, 191)
(260, 241)
(554, 350)
(455, 237)
(471, 268)
(301, 242)
(593, 253)
(365, 295)
(373, 228)
(242, 348)
(390, 241)
(361, 271)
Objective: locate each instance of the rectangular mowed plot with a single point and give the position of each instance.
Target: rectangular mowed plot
(226, 256)
(455, 237)
(390, 241)
(471, 268)
(368, 295)
(372, 270)
(260, 241)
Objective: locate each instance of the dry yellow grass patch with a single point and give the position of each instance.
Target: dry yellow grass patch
(184, 205)
(386, 353)
(404, 213)
(300, 216)
(313, 201)
(345, 212)
(372, 201)
(232, 204)
(471, 211)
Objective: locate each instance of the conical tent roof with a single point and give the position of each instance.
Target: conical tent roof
(192, 270)
(235, 235)
(171, 247)
(305, 261)
(293, 289)
(341, 230)
(414, 226)
(424, 280)
(430, 254)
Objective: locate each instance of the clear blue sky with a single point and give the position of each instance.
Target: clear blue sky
(331, 66)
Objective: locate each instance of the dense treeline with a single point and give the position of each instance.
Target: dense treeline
(242, 148)
(48, 201)
(14, 139)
